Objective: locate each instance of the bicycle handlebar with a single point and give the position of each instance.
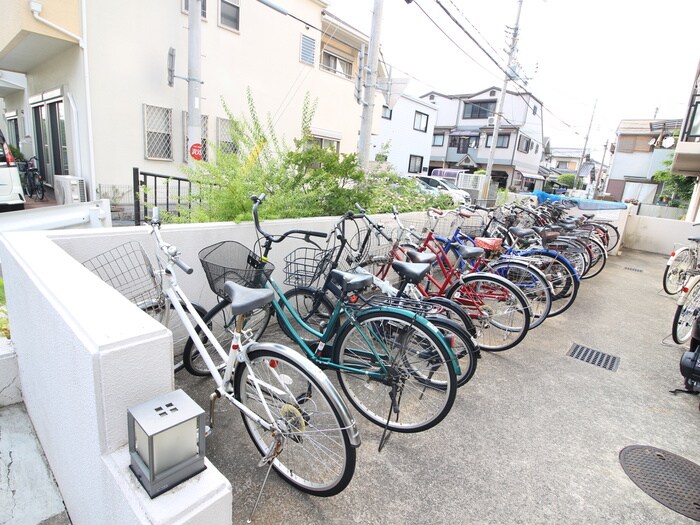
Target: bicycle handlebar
(170, 251)
(257, 199)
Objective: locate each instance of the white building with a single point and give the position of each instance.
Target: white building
(464, 130)
(405, 135)
(88, 90)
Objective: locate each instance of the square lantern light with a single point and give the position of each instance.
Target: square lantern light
(166, 441)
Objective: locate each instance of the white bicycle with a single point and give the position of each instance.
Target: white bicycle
(292, 412)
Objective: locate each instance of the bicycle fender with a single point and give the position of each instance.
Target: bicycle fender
(323, 382)
(474, 276)
(674, 255)
(557, 256)
(419, 319)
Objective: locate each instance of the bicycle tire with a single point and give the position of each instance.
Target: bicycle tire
(221, 323)
(317, 456)
(447, 308)
(171, 320)
(419, 386)
(599, 257)
(613, 236)
(533, 283)
(673, 273)
(483, 296)
(685, 315)
(461, 344)
(38, 186)
(313, 307)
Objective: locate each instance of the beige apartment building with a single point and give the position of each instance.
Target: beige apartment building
(84, 85)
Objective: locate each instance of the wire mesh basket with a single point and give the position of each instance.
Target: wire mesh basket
(231, 261)
(306, 265)
(129, 271)
(419, 229)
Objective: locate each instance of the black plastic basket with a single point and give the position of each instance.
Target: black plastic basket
(306, 265)
(231, 261)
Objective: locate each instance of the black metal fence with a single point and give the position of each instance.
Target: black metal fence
(170, 193)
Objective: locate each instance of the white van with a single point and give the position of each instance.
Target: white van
(11, 192)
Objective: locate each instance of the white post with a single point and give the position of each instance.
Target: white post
(194, 73)
(365, 142)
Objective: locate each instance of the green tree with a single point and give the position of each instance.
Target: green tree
(676, 187)
(567, 179)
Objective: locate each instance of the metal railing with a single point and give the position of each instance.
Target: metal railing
(170, 193)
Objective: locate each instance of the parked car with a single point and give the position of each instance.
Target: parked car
(459, 197)
(427, 188)
(11, 192)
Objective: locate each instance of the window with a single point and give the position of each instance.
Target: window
(186, 7)
(524, 144)
(49, 120)
(479, 109)
(158, 126)
(415, 164)
(534, 110)
(335, 64)
(492, 93)
(307, 50)
(223, 136)
(230, 14)
(454, 141)
(13, 131)
(386, 112)
(420, 121)
(566, 165)
(503, 141)
(326, 143)
(439, 139)
(205, 134)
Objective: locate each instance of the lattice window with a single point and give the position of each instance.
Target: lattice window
(158, 126)
(205, 135)
(223, 136)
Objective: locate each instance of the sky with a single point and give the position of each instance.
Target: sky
(590, 62)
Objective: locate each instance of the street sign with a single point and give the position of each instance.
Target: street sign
(196, 151)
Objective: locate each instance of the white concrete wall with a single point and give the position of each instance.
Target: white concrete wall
(651, 234)
(94, 356)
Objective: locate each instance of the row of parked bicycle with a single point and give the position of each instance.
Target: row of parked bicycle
(400, 312)
(681, 277)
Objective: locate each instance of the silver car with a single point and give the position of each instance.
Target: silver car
(11, 192)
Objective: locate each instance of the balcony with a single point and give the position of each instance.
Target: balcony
(26, 42)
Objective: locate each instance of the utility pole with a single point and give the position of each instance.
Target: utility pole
(599, 180)
(499, 109)
(365, 141)
(585, 145)
(194, 73)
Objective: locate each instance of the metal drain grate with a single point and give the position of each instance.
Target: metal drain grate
(671, 480)
(638, 270)
(594, 357)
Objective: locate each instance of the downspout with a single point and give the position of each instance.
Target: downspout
(82, 42)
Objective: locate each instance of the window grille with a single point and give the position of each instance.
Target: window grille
(158, 125)
(223, 136)
(307, 50)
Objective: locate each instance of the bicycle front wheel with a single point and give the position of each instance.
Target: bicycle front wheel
(498, 308)
(461, 344)
(395, 371)
(533, 283)
(316, 455)
(222, 322)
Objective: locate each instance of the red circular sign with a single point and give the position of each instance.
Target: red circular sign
(196, 151)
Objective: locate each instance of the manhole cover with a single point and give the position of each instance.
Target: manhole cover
(594, 357)
(671, 480)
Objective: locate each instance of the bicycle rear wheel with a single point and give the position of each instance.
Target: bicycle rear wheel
(38, 186)
(316, 455)
(395, 371)
(674, 274)
(561, 276)
(461, 344)
(221, 322)
(599, 257)
(498, 308)
(533, 283)
(685, 315)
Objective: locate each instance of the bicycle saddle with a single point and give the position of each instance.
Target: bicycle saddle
(412, 272)
(351, 282)
(244, 300)
(521, 233)
(469, 252)
(421, 257)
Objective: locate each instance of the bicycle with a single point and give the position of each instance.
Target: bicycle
(32, 181)
(681, 261)
(128, 269)
(290, 409)
(393, 365)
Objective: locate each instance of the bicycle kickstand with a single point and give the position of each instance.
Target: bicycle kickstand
(393, 408)
(275, 449)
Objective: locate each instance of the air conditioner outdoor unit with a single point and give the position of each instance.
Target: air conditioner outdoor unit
(69, 189)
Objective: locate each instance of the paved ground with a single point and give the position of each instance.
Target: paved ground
(534, 438)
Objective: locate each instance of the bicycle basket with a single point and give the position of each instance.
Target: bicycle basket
(306, 265)
(231, 261)
(129, 271)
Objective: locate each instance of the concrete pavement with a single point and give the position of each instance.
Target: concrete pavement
(533, 438)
